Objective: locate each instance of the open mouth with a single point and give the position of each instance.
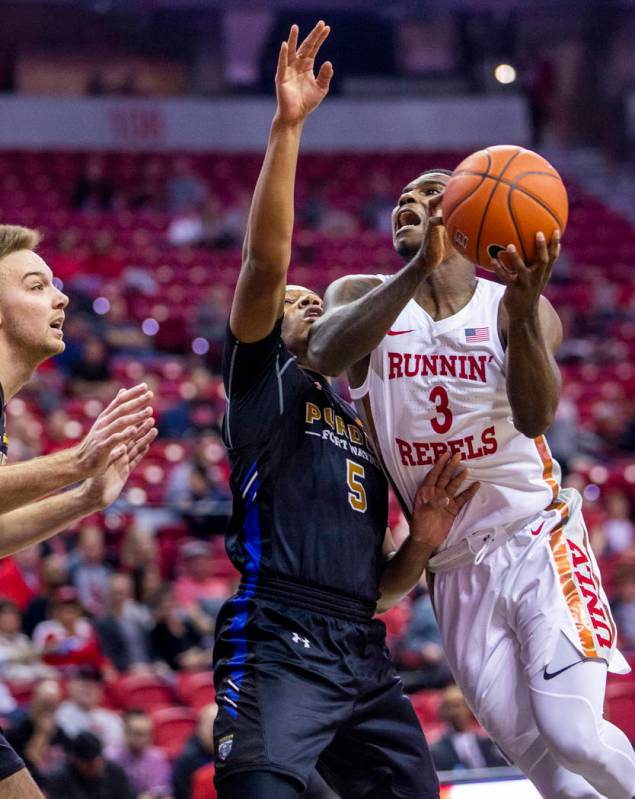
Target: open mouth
(407, 219)
(313, 313)
(57, 325)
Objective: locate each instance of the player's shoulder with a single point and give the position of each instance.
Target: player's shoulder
(351, 287)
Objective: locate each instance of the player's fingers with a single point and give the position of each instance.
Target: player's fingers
(465, 496)
(306, 48)
(125, 409)
(124, 395)
(141, 447)
(292, 42)
(455, 483)
(140, 432)
(325, 74)
(516, 263)
(433, 475)
(448, 470)
(503, 272)
(120, 422)
(319, 41)
(542, 252)
(554, 247)
(282, 61)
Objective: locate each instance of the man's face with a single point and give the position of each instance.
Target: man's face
(86, 693)
(138, 733)
(301, 308)
(31, 307)
(411, 214)
(89, 769)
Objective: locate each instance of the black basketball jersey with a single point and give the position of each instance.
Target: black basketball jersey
(310, 498)
(4, 438)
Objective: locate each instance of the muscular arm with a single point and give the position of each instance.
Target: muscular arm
(402, 571)
(359, 309)
(41, 520)
(259, 297)
(533, 377)
(26, 482)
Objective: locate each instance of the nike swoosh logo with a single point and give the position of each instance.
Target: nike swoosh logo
(398, 332)
(538, 529)
(550, 676)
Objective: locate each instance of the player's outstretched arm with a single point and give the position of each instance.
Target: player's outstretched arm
(107, 440)
(259, 297)
(41, 520)
(532, 332)
(437, 504)
(360, 309)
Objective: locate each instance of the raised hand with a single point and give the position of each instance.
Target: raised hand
(103, 490)
(525, 283)
(298, 89)
(114, 430)
(437, 503)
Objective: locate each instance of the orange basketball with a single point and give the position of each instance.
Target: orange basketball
(499, 196)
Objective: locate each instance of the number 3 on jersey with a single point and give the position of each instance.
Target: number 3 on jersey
(355, 473)
(443, 420)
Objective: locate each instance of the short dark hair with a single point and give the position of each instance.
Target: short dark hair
(86, 746)
(447, 172)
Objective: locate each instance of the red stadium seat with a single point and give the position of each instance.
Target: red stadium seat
(144, 692)
(173, 726)
(196, 690)
(426, 705)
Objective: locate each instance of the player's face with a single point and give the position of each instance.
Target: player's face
(301, 308)
(410, 216)
(31, 307)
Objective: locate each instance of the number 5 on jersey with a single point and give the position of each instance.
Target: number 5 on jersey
(355, 473)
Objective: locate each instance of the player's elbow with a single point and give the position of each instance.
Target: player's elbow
(534, 424)
(322, 355)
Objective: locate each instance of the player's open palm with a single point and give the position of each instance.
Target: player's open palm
(526, 282)
(298, 89)
(104, 489)
(114, 430)
(438, 501)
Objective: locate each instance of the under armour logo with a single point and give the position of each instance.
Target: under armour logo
(298, 639)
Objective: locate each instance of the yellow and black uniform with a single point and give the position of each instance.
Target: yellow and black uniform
(10, 762)
(303, 677)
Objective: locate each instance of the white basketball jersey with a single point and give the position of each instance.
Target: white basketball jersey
(437, 386)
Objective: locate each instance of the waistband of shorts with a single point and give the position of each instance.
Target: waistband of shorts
(308, 597)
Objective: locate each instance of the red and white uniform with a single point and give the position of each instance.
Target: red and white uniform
(517, 568)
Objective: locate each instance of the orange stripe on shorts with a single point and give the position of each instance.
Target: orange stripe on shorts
(547, 465)
(572, 596)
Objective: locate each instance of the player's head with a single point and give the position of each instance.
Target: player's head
(301, 308)
(410, 215)
(31, 306)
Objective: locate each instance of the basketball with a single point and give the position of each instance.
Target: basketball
(499, 196)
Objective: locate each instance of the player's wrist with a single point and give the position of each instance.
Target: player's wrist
(282, 124)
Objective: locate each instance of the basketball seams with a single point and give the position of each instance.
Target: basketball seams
(515, 187)
(515, 224)
(483, 176)
(490, 198)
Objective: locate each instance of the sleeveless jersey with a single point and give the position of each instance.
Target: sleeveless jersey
(310, 499)
(434, 386)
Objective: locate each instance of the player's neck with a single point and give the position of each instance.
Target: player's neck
(448, 288)
(15, 371)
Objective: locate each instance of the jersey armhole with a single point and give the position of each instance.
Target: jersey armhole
(361, 391)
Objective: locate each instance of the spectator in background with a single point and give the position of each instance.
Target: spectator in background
(461, 746)
(65, 260)
(105, 261)
(421, 650)
(188, 228)
(19, 659)
(148, 191)
(123, 632)
(197, 412)
(122, 334)
(619, 531)
(146, 766)
(82, 712)
(196, 586)
(623, 604)
(37, 737)
(211, 320)
(87, 774)
(53, 575)
(67, 639)
(198, 752)
(93, 191)
(20, 576)
(377, 210)
(88, 573)
(90, 374)
(197, 486)
(179, 638)
(185, 189)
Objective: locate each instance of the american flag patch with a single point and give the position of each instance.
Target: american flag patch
(476, 334)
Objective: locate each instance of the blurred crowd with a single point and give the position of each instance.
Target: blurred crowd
(135, 592)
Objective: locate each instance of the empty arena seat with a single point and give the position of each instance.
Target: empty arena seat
(196, 690)
(173, 726)
(143, 691)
